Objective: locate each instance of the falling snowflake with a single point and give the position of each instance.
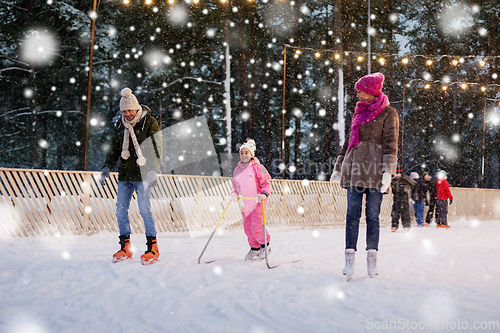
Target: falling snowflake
(39, 48)
(43, 144)
(177, 15)
(456, 19)
(28, 93)
(155, 58)
(66, 255)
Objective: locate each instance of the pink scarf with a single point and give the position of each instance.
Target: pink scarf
(365, 113)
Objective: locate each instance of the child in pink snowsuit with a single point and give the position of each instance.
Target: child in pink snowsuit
(251, 180)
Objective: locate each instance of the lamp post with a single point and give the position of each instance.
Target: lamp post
(482, 154)
(405, 61)
(89, 93)
(369, 41)
(283, 116)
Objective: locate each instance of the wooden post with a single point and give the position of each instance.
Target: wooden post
(89, 93)
(87, 190)
(283, 115)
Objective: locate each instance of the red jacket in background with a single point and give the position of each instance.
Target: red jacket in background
(443, 190)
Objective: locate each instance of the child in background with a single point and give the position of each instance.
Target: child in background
(418, 196)
(251, 179)
(430, 187)
(401, 187)
(443, 194)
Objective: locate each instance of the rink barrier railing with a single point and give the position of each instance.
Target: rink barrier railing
(48, 202)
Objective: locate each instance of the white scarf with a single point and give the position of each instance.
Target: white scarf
(129, 132)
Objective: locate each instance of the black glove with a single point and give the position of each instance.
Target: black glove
(426, 202)
(104, 174)
(451, 201)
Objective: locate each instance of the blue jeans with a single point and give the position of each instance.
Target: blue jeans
(125, 191)
(418, 207)
(372, 212)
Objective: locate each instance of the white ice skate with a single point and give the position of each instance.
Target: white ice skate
(350, 255)
(262, 254)
(371, 262)
(252, 254)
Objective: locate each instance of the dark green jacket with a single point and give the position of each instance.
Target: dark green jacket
(152, 150)
(401, 187)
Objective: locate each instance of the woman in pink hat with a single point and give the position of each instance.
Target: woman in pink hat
(365, 166)
(251, 180)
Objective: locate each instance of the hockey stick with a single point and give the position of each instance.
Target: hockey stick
(212, 235)
(265, 234)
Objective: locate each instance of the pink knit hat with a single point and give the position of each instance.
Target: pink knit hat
(371, 84)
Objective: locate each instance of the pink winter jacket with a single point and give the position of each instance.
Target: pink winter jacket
(249, 180)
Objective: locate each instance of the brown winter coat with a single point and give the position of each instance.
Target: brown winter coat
(363, 165)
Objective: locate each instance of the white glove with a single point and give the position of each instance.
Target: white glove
(412, 202)
(234, 197)
(260, 197)
(335, 177)
(152, 178)
(386, 182)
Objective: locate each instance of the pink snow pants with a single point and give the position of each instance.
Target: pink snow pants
(254, 227)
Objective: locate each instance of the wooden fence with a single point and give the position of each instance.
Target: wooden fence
(47, 202)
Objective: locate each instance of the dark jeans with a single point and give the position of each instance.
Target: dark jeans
(442, 212)
(401, 209)
(372, 212)
(430, 212)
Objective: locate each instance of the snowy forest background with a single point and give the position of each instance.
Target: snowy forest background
(172, 55)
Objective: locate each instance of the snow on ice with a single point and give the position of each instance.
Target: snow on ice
(430, 280)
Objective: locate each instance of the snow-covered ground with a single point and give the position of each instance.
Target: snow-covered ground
(430, 280)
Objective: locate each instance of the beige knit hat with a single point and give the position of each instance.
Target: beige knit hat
(128, 100)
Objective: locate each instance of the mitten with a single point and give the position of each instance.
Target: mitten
(260, 197)
(386, 182)
(152, 178)
(451, 201)
(335, 177)
(234, 197)
(104, 174)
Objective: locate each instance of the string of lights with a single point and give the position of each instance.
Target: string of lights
(405, 60)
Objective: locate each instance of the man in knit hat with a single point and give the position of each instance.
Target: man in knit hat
(135, 126)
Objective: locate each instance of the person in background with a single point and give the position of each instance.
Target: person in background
(430, 198)
(418, 197)
(443, 194)
(135, 126)
(401, 187)
(251, 180)
(365, 166)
